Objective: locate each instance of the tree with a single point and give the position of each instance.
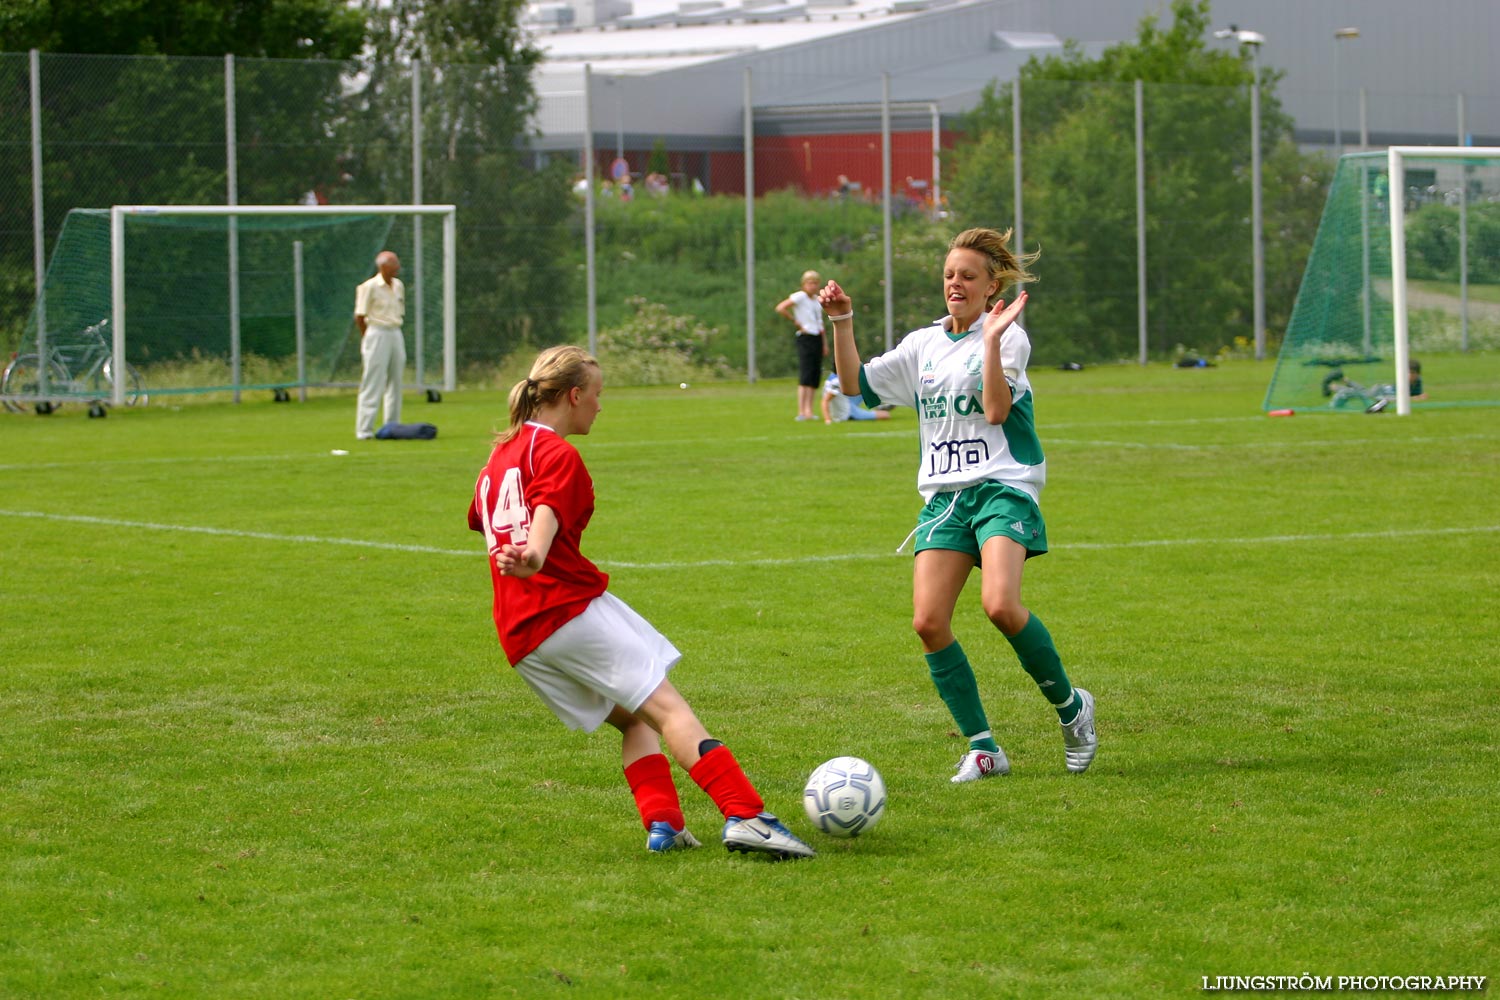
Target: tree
(132, 102)
(477, 103)
(277, 29)
(1079, 188)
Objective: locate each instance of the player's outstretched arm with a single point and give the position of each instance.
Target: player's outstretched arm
(839, 308)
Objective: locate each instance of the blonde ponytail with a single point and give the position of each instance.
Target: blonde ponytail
(554, 372)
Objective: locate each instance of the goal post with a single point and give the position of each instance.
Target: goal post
(1398, 156)
(1404, 269)
(288, 218)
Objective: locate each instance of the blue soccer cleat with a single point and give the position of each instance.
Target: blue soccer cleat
(662, 838)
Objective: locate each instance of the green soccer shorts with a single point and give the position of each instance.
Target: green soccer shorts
(965, 519)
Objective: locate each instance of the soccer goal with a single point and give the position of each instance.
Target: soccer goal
(203, 298)
(1401, 289)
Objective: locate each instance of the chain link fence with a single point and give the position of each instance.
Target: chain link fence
(1137, 197)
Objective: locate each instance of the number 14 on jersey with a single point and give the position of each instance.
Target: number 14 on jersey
(510, 521)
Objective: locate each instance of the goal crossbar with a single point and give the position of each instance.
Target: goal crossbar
(1397, 157)
(118, 214)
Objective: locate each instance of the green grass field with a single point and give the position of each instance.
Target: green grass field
(257, 738)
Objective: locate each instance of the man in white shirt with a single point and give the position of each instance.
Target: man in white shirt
(379, 308)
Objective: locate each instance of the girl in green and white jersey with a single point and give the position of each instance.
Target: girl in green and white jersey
(981, 477)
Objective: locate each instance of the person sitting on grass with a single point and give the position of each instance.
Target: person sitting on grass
(837, 407)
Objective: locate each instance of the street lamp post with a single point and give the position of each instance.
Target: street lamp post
(1338, 104)
(1254, 40)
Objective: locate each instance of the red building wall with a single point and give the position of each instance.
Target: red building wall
(815, 164)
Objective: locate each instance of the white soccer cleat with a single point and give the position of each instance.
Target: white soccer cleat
(1080, 742)
(978, 764)
(765, 834)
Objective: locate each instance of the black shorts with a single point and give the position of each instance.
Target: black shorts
(809, 360)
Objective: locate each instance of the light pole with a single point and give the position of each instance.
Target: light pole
(1254, 40)
(1338, 105)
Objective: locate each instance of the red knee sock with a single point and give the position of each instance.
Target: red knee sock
(650, 780)
(719, 774)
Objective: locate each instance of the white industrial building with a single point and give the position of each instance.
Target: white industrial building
(676, 69)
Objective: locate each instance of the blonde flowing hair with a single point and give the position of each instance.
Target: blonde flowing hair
(555, 371)
(1004, 266)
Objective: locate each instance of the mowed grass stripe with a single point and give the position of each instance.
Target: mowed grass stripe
(270, 536)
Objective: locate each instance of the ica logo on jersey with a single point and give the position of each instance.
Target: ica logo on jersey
(964, 404)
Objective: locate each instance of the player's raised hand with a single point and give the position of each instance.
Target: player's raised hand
(834, 300)
(999, 319)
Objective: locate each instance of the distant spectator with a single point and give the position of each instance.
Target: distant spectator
(805, 313)
(379, 310)
(838, 407)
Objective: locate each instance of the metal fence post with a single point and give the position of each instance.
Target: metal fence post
(885, 179)
(299, 313)
(1463, 232)
(590, 272)
(1015, 142)
(1258, 250)
(38, 230)
(232, 182)
(1140, 218)
(418, 341)
(749, 229)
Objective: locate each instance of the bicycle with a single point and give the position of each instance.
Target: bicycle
(83, 368)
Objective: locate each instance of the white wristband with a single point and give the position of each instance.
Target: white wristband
(847, 315)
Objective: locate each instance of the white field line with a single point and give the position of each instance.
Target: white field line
(738, 563)
(852, 439)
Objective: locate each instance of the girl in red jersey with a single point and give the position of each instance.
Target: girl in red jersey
(587, 655)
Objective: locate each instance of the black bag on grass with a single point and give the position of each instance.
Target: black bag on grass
(406, 432)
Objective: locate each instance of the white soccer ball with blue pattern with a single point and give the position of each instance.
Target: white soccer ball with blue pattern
(844, 797)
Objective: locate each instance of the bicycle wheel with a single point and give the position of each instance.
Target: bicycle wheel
(22, 378)
(135, 386)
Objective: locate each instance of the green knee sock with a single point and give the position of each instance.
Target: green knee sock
(954, 679)
(1033, 644)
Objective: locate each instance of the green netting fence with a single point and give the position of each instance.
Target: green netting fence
(256, 301)
(1338, 354)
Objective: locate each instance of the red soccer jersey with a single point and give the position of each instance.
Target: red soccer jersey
(533, 469)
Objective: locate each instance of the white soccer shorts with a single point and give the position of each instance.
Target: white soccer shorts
(607, 656)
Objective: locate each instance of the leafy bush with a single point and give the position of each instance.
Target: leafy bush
(655, 347)
(1432, 242)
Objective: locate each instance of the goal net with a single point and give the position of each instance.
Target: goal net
(1402, 287)
(209, 298)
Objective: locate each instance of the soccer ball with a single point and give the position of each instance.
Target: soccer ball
(844, 797)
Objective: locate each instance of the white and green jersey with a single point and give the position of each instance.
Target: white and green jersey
(938, 373)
